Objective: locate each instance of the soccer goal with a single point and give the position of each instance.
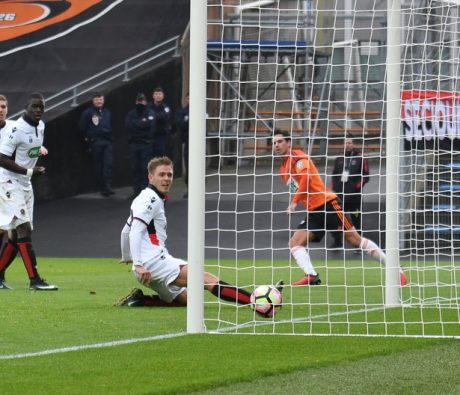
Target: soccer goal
(383, 73)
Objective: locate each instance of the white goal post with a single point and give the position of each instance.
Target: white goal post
(384, 74)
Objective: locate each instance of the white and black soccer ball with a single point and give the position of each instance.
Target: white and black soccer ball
(266, 301)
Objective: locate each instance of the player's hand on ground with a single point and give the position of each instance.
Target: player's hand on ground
(43, 151)
(145, 274)
(38, 170)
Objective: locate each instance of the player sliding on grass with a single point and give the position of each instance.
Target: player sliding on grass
(143, 242)
(324, 210)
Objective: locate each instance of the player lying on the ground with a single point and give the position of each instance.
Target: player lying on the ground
(143, 242)
(324, 211)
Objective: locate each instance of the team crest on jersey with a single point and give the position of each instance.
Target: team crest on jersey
(293, 185)
(299, 165)
(33, 152)
(95, 120)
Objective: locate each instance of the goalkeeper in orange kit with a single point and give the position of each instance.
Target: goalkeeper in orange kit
(324, 210)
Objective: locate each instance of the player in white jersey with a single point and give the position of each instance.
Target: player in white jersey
(143, 242)
(5, 128)
(19, 152)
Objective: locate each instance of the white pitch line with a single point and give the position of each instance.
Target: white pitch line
(91, 346)
(295, 320)
(179, 334)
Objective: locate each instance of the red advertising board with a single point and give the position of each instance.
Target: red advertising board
(430, 118)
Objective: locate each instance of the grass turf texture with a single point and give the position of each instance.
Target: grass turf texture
(81, 313)
(351, 303)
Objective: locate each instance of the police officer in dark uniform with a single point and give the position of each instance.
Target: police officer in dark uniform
(182, 126)
(162, 121)
(96, 126)
(350, 174)
(140, 125)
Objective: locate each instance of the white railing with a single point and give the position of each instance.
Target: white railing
(122, 69)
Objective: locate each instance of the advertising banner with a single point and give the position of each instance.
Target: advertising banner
(430, 119)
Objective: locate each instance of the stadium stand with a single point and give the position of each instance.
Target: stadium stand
(127, 29)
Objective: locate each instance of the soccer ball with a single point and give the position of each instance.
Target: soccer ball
(266, 301)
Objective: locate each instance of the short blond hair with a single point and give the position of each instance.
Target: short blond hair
(3, 98)
(159, 161)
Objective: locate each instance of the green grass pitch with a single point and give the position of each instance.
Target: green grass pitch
(74, 341)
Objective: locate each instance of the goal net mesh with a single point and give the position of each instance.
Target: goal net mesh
(317, 69)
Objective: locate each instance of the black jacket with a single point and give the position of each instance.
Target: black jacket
(182, 123)
(163, 118)
(96, 123)
(358, 173)
(140, 125)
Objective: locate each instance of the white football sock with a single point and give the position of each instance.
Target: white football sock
(302, 258)
(373, 250)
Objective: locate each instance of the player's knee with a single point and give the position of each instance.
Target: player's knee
(353, 237)
(300, 239)
(24, 230)
(210, 280)
(181, 299)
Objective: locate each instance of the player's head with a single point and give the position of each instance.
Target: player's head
(349, 145)
(161, 173)
(281, 142)
(3, 108)
(35, 106)
(97, 99)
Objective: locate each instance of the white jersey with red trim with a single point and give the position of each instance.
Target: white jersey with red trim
(148, 208)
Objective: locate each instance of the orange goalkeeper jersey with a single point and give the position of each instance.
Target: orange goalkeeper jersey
(303, 180)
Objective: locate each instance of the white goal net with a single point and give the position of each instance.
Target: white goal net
(380, 76)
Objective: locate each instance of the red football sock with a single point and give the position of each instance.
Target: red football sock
(230, 293)
(8, 254)
(28, 257)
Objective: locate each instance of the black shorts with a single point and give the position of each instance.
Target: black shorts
(328, 217)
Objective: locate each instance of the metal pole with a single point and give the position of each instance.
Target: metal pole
(197, 161)
(393, 98)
